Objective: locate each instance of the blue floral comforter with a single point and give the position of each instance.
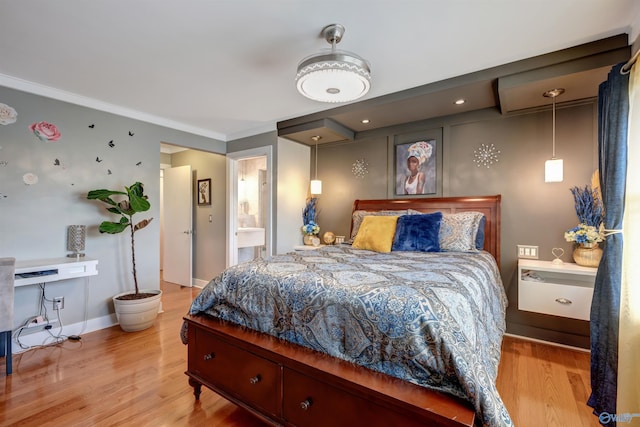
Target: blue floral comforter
(433, 319)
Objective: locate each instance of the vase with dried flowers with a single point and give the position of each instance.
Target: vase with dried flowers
(590, 231)
(310, 228)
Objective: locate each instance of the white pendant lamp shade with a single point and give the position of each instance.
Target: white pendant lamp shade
(333, 75)
(553, 168)
(316, 186)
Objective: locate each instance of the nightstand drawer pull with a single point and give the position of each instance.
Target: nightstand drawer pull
(564, 301)
(209, 356)
(306, 404)
(255, 380)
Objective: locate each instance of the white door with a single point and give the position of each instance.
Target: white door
(178, 231)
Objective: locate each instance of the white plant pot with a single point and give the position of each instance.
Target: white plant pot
(139, 314)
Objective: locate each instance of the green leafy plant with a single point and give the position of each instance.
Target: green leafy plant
(134, 201)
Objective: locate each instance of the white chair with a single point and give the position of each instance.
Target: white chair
(7, 277)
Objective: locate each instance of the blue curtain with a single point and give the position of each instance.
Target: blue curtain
(613, 111)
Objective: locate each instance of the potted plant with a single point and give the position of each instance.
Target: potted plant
(310, 228)
(590, 231)
(138, 310)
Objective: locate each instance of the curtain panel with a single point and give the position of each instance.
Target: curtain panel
(613, 112)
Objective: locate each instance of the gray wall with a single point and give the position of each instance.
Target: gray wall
(34, 218)
(209, 239)
(533, 212)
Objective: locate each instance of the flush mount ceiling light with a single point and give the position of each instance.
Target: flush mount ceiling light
(333, 75)
(553, 169)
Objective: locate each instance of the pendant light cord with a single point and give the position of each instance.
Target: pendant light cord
(316, 160)
(553, 153)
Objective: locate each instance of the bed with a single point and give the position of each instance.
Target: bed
(343, 335)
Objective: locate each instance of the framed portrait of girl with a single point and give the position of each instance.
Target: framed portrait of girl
(417, 161)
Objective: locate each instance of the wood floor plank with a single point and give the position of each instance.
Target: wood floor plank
(115, 378)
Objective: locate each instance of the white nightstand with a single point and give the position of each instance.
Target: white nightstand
(562, 290)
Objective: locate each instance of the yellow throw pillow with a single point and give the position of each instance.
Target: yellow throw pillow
(376, 233)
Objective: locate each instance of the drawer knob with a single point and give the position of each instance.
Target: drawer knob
(255, 380)
(564, 301)
(306, 404)
(209, 356)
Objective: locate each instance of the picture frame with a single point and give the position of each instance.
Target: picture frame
(429, 166)
(204, 192)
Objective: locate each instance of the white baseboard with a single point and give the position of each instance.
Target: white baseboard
(199, 283)
(43, 337)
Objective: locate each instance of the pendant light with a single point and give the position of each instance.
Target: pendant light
(316, 184)
(553, 168)
(242, 183)
(333, 75)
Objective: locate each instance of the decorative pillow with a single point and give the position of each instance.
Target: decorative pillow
(458, 231)
(480, 234)
(358, 215)
(376, 233)
(418, 233)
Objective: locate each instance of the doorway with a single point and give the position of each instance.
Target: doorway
(209, 223)
(249, 214)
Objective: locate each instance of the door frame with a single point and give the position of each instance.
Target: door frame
(232, 200)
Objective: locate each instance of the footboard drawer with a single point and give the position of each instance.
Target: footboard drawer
(308, 402)
(240, 373)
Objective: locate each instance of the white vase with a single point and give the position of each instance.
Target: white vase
(137, 314)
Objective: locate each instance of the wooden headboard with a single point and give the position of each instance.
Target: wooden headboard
(488, 205)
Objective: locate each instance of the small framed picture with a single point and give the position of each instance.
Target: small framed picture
(204, 191)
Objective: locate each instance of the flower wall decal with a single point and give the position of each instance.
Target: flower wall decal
(359, 168)
(486, 155)
(47, 132)
(30, 178)
(7, 115)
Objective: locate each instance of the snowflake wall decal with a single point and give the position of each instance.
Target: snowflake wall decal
(359, 168)
(486, 155)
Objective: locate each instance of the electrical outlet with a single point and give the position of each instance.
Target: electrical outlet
(58, 303)
(527, 251)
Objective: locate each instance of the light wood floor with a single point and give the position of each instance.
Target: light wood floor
(114, 378)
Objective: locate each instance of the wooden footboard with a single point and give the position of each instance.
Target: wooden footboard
(289, 385)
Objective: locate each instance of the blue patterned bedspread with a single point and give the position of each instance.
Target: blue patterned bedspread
(433, 319)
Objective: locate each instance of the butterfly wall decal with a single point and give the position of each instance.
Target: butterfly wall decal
(91, 126)
(56, 162)
(139, 164)
(98, 159)
(111, 144)
(131, 133)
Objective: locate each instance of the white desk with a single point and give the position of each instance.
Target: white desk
(53, 269)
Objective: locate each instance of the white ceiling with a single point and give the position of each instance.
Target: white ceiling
(226, 69)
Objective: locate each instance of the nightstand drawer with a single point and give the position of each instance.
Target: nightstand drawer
(555, 299)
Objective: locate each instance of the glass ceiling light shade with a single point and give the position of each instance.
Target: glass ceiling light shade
(553, 168)
(333, 75)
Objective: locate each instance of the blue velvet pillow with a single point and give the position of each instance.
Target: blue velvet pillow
(418, 233)
(480, 235)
